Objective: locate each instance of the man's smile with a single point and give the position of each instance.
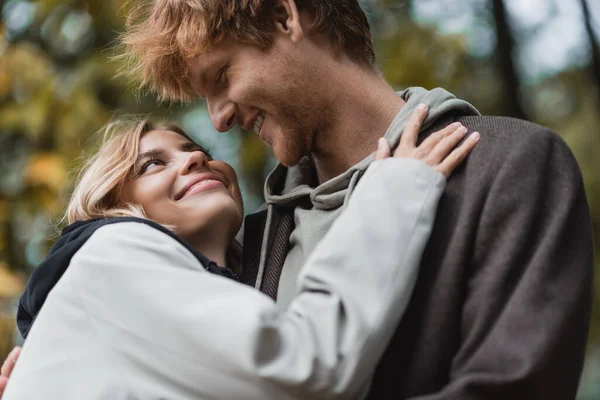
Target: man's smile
(258, 122)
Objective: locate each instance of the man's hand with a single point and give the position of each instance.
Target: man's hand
(439, 150)
(7, 368)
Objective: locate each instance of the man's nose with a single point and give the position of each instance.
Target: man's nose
(194, 161)
(223, 115)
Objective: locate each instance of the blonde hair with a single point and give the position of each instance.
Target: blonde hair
(98, 189)
(163, 35)
(99, 184)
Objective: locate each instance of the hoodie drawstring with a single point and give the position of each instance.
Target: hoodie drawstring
(263, 249)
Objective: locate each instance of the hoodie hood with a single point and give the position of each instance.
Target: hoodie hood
(73, 237)
(285, 185)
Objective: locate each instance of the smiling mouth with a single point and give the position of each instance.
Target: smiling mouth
(258, 123)
(202, 186)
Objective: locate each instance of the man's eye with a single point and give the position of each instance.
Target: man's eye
(221, 75)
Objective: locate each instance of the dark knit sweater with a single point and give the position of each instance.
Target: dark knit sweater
(502, 305)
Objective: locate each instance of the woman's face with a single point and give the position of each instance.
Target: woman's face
(177, 183)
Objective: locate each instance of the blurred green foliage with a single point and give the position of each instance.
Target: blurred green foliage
(59, 85)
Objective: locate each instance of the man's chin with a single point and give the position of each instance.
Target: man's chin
(289, 152)
(287, 159)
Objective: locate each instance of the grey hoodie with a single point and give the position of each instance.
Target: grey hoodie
(329, 198)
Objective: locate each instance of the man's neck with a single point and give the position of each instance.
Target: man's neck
(362, 112)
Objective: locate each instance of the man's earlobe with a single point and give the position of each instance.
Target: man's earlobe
(287, 19)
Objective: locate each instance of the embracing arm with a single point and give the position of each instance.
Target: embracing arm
(215, 337)
(351, 297)
(529, 294)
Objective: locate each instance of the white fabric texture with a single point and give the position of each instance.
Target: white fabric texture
(136, 316)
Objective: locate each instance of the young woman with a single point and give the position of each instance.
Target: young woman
(139, 299)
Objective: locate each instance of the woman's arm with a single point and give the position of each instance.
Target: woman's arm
(232, 340)
(212, 336)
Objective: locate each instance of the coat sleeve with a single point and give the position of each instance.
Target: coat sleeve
(529, 294)
(184, 327)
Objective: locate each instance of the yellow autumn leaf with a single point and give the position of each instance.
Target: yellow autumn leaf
(49, 200)
(5, 77)
(48, 169)
(31, 66)
(11, 285)
(253, 153)
(32, 117)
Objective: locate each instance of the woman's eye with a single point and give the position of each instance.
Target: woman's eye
(149, 165)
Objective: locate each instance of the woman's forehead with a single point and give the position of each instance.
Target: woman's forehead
(162, 138)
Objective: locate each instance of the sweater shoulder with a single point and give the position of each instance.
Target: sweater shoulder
(512, 150)
(507, 131)
(513, 140)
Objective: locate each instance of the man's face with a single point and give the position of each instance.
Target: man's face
(272, 92)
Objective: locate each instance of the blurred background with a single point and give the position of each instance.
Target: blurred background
(532, 59)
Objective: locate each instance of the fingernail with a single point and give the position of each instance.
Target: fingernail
(462, 130)
(456, 125)
(381, 142)
(13, 354)
(475, 136)
(422, 107)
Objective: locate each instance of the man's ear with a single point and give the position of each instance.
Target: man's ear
(287, 19)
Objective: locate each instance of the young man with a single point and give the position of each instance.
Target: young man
(502, 304)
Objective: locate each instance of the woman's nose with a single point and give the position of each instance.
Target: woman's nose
(194, 160)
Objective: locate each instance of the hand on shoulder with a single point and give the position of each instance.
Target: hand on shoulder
(440, 150)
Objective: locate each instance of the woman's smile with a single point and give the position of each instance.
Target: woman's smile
(202, 184)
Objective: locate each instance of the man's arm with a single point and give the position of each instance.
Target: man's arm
(529, 294)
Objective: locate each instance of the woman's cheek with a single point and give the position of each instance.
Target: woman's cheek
(152, 192)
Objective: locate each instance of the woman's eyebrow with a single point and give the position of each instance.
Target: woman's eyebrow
(147, 155)
(154, 153)
(191, 146)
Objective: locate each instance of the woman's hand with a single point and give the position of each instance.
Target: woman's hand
(7, 368)
(439, 150)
